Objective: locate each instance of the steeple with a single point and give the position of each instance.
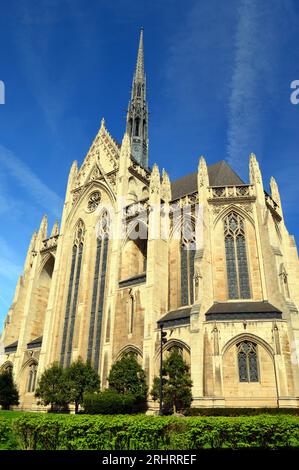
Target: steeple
(140, 59)
(137, 115)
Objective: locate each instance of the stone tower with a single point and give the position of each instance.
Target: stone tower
(137, 115)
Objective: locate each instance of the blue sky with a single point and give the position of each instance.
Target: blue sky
(218, 77)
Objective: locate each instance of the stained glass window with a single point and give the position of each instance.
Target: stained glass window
(94, 299)
(187, 272)
(72, 296)
(236, 257)
(184, 276)
(247, 362)
(102, 281)
(74, 305)
(97, 306)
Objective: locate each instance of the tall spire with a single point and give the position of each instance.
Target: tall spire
(140, 59)
(137, 115)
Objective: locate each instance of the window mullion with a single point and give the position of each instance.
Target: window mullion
(237, 265)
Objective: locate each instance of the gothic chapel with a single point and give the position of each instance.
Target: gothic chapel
(226, 294)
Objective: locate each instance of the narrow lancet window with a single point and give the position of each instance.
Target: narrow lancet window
(98, 295)
(236, 257)
(187, 271)
(72, 296)
(32, 378)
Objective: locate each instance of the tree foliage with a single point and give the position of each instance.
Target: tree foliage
(9, 394)
(60, 386)
(177, 383)
(52, 388)
(80, 378)
(127, 376)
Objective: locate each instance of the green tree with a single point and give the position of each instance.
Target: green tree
(52, 387)
(9, 394)
(127, 377)
(177, 383)
(80, 378)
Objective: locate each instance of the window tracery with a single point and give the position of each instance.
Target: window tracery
(236, 257)
(247, 362)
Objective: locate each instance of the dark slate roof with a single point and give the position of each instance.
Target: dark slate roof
(185, 185)
(176, 317)
(11, 347)
(131, 281)
(220, 174)
(35, 343)
(242, 310)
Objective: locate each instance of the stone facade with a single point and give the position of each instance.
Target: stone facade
(103, 283)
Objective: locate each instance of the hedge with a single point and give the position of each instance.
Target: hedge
(240, 411)
(107, 403)
(7, 437)
(129, 432)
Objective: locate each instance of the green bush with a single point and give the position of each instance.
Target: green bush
(7, 438)
(240, 411)
(264, 431)
(127, 377)
(123, 432)
(108, 402)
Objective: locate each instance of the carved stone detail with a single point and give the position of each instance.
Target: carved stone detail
(76, 195)
(49, 244)
(93, 201)
(227, 192)
(95, 174)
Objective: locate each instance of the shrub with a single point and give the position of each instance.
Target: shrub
(108, 402)
(81, 432)
(240, 411)
(127, 377)
(266, 432)
(7, 439)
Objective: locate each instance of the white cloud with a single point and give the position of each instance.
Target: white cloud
(38, 190)
(10, 268)
(262, 30)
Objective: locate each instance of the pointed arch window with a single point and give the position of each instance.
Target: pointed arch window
(131, 313)
(137, 126)
(98, 293)
(247, 362)
(8, 367)
(236, 257)
(108, 326)
(72, 296)
(188, 249)
(32, 378)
